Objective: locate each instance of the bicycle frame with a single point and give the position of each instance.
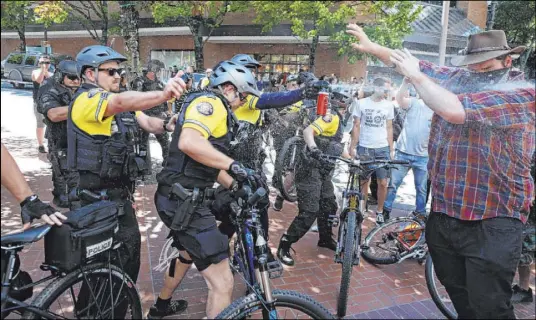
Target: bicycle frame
(352, 202)
(252, 246)
(56, 273)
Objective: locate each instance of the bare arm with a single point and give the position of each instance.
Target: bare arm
(225, 179)
(150, 124)
(133, 101)
(12, 177)
(39, 75)
(448, 107)
(390, 135)
(58, 114)
(443, 102)
(201, 150)
(309, 137)
(402, 96)
(138, 101)
(355, 135)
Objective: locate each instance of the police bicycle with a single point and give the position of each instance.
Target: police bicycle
(351, 216)
(94, 289)
(250, 260)
(286, 161)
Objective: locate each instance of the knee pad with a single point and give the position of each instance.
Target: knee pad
(173, 263)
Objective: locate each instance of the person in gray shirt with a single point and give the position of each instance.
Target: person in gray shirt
(412, 146)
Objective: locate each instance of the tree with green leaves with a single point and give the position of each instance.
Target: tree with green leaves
(15, 16)
(518, 20)
(392, 22)
(48, 13)
(202, 17)
(92, 15)
(308, 18)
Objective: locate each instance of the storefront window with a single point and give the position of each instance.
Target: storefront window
(278, 63)
(180, 58)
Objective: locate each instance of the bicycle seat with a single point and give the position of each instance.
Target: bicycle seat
(25, 237)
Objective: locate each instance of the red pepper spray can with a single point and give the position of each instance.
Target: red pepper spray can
(322, 103)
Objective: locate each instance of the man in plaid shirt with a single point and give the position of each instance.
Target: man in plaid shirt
(481, 144)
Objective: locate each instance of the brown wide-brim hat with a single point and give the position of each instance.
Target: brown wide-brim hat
(485, 46)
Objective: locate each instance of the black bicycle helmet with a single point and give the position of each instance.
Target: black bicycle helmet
(246, 61)
(240, 76)
(94, 56)
(155, 65)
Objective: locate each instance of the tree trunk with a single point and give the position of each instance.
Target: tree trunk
(46, 33)
(312, 53)
(129, 22)
(199, 58)
(22, 37)
(195, 27)
(312, 48)
(104, 36)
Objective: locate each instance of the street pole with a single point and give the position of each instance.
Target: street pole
(444, 32)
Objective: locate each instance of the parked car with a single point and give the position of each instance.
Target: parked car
(2, 72)
(18, 66)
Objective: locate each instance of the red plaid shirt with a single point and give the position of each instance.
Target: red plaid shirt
(481, 169)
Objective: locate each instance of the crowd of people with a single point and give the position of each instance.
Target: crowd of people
(468, 133)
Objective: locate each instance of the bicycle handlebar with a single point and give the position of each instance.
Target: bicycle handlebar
(358, 162)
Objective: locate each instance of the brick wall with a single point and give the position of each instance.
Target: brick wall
(477, 11)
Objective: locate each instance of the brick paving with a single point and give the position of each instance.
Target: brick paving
(376, 292)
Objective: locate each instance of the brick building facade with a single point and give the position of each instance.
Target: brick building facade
(278, 50)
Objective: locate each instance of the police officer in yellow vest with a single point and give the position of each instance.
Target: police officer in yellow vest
(198, 157)
(248, 148)
(316, 196)
(104, 141)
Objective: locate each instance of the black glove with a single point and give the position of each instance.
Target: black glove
(312, 88)
(306, 77)
(33, 208)
(238, 171)
(315, 153)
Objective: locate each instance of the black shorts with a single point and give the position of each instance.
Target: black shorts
(202, 239)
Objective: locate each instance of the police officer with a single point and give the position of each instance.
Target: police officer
(53, 105)
(316, 197)
(248, 148)
(104, 141)
(197, 159)
(150, 82)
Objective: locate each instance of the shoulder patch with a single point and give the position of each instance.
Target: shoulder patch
(327, 118)
(205, 108)
(91, 93)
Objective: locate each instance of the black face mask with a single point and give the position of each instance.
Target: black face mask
(478, 81)
(490, 77)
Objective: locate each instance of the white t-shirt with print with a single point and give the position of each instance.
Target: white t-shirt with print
(374, 116)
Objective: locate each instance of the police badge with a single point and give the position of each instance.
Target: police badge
(205, 108)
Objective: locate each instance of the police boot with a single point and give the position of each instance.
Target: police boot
(325, 235)
(283, 252)
(61, 201)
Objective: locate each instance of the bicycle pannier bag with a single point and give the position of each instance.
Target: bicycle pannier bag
(86, 233)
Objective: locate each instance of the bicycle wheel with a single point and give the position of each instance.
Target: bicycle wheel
(437, 291)
(94, 292)
(351, 234)
(383, 244)
(285, 168)
(288, 304)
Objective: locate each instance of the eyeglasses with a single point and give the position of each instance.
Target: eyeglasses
(112, 71)
(72, 77)
(44, 62)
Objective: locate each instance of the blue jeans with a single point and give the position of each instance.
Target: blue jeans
(420, 174)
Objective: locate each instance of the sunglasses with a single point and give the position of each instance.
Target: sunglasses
(44, 62)
(112, 71)
(72, 77)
